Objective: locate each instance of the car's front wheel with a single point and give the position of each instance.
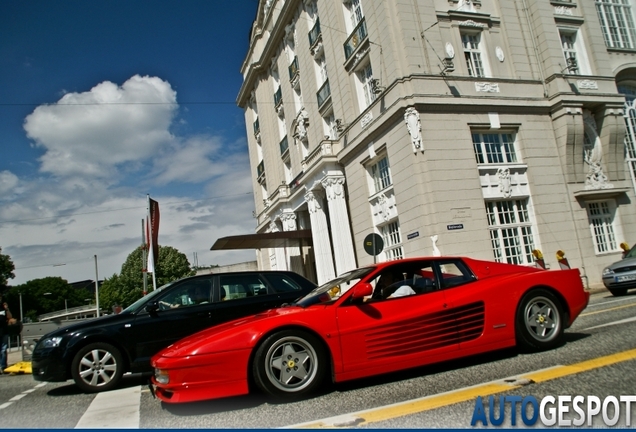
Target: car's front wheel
(540, 319)
(97, 367)
(617, 292)
(290, 363)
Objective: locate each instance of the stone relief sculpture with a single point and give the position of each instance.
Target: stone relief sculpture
(289, 221)
(505, 186)
(466, 6)
(334, 186)
(436, 251)
(313, 205)
(414, 127)
(384, 207)
(593, 155)
(301, 125)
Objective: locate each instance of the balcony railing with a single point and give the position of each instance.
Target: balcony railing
(284, 145)
(260, 169)
(323, 93)
(293, 68)
(314, 33)
(358, 35)
(278, 97)
(257, 127)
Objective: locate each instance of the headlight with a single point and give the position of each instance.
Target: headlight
(608, 271)
(51, 342)
(162, 376)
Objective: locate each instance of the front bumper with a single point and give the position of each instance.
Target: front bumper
(48, 365)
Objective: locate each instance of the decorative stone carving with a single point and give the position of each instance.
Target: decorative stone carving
(471, 23)
(313, 206)
(450, 51)
(563, 10)
(268, 5)
(273, 227)
(466, 6)
(593, 156)
(487, 87)
(505, 185)
(334, 186)
(317, 49)
(383, 203)
(500, 54)
(414, 127)
(302, 121)
(436, 251)
(289, 221)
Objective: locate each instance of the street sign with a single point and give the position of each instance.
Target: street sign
(373, 244)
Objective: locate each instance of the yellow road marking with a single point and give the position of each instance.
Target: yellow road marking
(606, 310)
(463, 395)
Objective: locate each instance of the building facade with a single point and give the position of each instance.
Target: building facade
(487, 128)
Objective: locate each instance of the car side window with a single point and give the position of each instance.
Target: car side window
(401, 281)
(188, 293)
(454, 273)
(242, 286)
(282, 283)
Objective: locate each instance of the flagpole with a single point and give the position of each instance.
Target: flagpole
(151, 244)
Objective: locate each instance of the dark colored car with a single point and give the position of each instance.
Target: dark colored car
(96, 353)
(621, 276)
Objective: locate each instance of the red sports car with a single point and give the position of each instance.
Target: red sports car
(372, 320)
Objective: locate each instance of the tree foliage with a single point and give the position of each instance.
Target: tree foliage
(127, 287)
(6, 270)
(45, 295)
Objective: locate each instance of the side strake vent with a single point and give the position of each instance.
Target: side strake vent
(427, 332)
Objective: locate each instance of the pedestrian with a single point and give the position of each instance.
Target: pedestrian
(5, 316)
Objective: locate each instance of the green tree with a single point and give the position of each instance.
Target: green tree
(6, 270)
(45, 295)
(127, 287)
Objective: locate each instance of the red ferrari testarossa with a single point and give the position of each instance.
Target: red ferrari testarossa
(373, 320)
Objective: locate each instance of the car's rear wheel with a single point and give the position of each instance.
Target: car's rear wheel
(97, 367)
(290, 363)
(540, 320)
(617, 292)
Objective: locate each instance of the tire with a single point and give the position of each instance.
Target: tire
(97, 367)
(617, 292)
(290, 363)
(540, 321)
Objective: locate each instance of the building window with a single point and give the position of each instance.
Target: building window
(494, 148)
(568, 44)
(381, 174)
(630, 125)
(510, 231)
(355, 8)
(617, 23)
(365, 75)
(392, 241)
(601, 215)
(472, 52)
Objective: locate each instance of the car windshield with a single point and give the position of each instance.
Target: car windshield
(631, 253)
(139, 304)
(333, 289)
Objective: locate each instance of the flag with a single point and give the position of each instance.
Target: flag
(152, 234)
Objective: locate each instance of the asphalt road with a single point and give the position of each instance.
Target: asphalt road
(606, 327)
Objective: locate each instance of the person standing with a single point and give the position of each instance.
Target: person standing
(5, 316)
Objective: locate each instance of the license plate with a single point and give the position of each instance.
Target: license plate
(625, 278)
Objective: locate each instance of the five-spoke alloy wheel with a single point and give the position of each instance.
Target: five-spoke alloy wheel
(539, 320)
(290, 362)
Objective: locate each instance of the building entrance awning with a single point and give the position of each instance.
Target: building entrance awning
(267, 240)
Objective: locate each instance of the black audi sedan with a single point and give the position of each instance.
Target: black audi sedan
(96, 353)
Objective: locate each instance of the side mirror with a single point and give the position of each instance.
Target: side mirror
(362, 290)
(152, 307)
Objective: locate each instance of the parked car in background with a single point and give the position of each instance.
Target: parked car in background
(96, 353)
(373, 320)
(621, 276)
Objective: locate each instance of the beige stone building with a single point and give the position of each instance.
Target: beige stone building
(487, 128)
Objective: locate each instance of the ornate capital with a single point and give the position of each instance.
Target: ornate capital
(289, 221)
(414, 127)
(313, 204)
(334, 186)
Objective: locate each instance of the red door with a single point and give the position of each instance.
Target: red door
(396, 333)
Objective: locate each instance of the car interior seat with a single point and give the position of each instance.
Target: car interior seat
(423, 285)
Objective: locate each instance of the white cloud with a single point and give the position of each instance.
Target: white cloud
(103, 150)
(94, 132)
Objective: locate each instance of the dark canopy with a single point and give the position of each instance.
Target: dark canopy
(266, 240)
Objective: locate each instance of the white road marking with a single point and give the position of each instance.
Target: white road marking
(6, 404)
(113, 409)
(623, 321)
(18, 397)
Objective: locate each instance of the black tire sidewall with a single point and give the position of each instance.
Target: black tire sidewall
(259, 364)
(525, 340)
(114, 380)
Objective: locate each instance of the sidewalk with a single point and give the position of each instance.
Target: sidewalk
(14, 355)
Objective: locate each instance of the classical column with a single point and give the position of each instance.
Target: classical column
(288, 219)
(340, 229)
(279, 253)
(320, 236)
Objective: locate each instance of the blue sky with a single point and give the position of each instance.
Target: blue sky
(103, 102)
